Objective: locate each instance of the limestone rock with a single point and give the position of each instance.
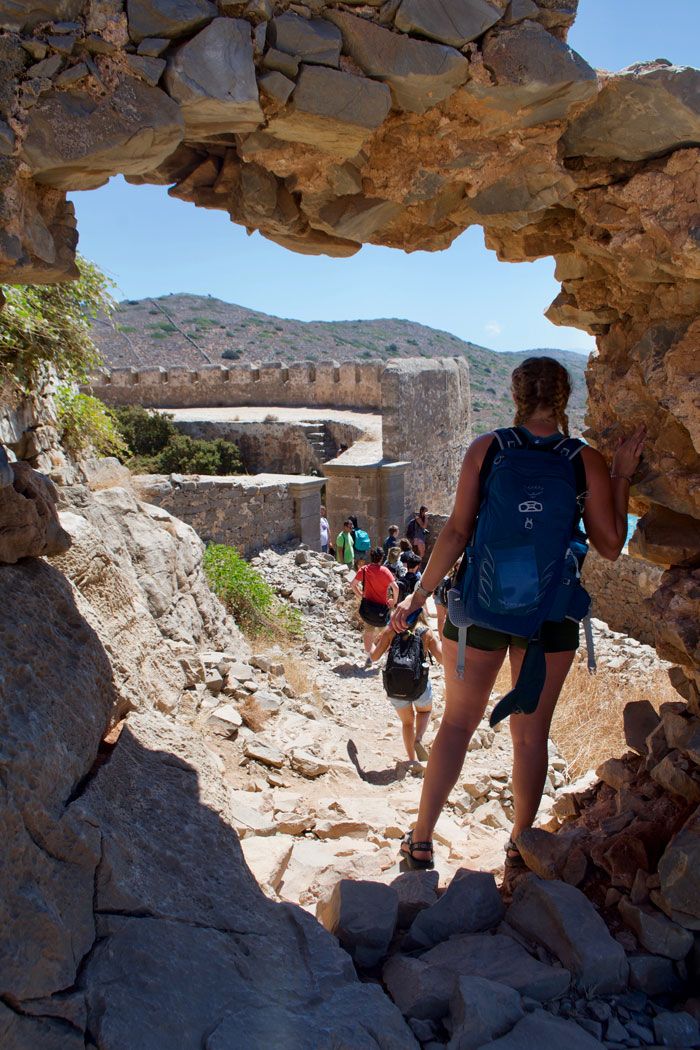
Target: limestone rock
(307, 764)
(655, 932)
(332, 111)
(534, 72)
(678, 869)
(676, 1029)
(226, 719)
(499, 958)
(640, 719)
(451, 22)
(362, 915)
(256, 751)
(16, 15)
(420, 74)
(212, 77)
(641, 112)
(76, 141)
(563, 920)
(470, 904)
(311, 40)
(416, 890)
(542, 1029)
(420, 991)
(29, 525)
(165, 18)
(276, 86)
(673, 778)
(480, 1011)
(654, 975)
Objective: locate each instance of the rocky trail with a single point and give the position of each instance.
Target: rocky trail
(321, 787)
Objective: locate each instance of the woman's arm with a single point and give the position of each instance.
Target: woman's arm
(357, 584)
(605, 509)
(454, 536)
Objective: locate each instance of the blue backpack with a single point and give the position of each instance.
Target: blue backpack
(523, 563)
(362, 541)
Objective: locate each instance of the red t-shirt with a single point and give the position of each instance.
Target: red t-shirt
(375, 580)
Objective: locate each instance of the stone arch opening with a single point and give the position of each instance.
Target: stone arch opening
(326, 125)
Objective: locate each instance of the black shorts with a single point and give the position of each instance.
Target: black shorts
(557, 637)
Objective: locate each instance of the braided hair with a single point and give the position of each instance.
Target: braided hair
(541, 383)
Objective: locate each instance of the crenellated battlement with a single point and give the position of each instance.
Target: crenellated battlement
(300, 383)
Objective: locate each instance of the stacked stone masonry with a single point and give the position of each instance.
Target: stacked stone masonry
(346, 385)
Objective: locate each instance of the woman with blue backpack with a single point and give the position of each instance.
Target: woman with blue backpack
(528, 500)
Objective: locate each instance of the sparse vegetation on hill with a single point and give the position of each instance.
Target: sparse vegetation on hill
(194, 330)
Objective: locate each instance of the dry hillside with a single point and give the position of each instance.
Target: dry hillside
(193, 330)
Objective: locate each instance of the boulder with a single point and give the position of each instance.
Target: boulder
(332, 111)
(226, 720)
(480, 1011)
(168, 18)
(453, 22)
(542, 1029)
(678, 870)
(676, 1029)
(212, 77)
(17, 15)
(654, 975)
(419, 990)
(76, 141)
(311, 40)
(500, 958)
(470, 904)
(640, 719)
(669, 773)
(420, 74)
(307, 764)
(362, 915)
(563, 920)
(644, 111)
(29, 525)
(655, 931)
(536, 77)
(416, 890)
(544, 853)
(267, 755)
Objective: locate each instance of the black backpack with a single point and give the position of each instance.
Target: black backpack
(406, 672)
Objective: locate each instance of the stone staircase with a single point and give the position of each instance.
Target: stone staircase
(321, 441)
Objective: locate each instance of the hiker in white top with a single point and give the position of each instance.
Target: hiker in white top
(413, 713)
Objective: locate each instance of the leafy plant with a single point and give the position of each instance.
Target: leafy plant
(231, 355)
(248, 596)
(85, 422)
(154, 445)
(44, 327)
(146, 433)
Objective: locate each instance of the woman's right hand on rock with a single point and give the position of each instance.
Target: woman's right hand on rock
(403, 610)
(629, 452)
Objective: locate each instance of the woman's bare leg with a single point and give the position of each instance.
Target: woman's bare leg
(465, 703)
(530, 734)
(408, 730)
(422, 722)
(368, 638)
(441, 617)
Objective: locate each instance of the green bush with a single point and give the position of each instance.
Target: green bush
(47, 327)
(231, 355)
(156, 446)
(85, 422)
(248, 596)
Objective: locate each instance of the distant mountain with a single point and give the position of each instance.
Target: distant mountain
(193, 330)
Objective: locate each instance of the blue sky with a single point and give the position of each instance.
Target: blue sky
(151, 244)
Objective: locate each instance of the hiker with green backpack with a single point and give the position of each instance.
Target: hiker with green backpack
(529, 499)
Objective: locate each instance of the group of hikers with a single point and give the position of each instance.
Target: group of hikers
(505, 574)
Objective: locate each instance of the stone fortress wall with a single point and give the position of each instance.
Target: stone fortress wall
(300, 384)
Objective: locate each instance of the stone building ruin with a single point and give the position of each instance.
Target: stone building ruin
(324, 125)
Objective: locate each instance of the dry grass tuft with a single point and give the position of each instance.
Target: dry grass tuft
(297, 675)
(587, 726)
(253, 714)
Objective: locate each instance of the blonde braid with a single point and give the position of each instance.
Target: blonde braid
(541, 382)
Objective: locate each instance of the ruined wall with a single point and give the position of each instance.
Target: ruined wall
(301, 384)
(620, 590)
(426, 419)
(248, 513)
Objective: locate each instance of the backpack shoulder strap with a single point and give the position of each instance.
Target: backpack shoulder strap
(509, 437)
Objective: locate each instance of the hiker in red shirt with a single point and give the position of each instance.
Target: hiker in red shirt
(377, 590)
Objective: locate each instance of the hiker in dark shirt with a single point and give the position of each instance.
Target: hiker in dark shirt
(417, 531)
(540, 389)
